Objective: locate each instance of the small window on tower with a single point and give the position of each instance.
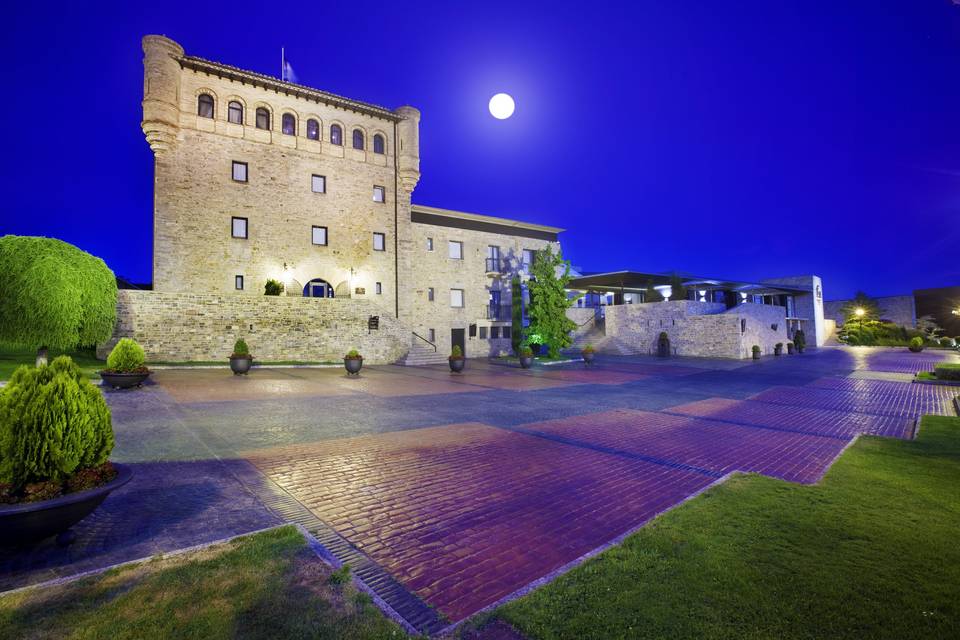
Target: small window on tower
(379, 194)
(205, 105)
(318, 183)
(239, 172)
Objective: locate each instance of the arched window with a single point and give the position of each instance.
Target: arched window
(378, 144)
(313, 129)
(358, 139)
(205, 105)
(336, 134)
(288, 124)
(235, 112)
(263, 118)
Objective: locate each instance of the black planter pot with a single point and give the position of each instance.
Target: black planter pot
(915, 349)
(240, 366)
(123, 380)
(756, 355)
(457, 364)
(663, 348)
(34, 521)
(588, 356)
(777, 351)
(790, 349)
(353, 365)
(525, 361)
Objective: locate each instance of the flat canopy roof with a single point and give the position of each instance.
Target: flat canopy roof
(638, 281)
(462, 220)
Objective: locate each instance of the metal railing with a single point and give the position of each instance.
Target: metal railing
(500, 312)
(417, 335)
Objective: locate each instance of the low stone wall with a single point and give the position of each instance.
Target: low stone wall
(901, 310)
(177, 327)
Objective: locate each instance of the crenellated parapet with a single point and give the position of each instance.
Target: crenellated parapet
(161, 89)
(408, 135)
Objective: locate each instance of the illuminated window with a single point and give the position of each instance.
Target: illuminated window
(313, 129)
(288, 124)
(336, 135)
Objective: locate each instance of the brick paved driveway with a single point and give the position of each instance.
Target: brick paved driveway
(447, 493)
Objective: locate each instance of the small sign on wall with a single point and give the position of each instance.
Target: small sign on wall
(373, 323)
(360, 291)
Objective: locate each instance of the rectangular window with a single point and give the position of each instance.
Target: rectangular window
(494, 333)
(239, 171)
(483, 333)
(319, 236)
(318, 184)
(378, 288)
(429, 244)
(456, 298)
(238, 227)
(527, 259)
(431, 335)
(456, 250)
(238, 283)
(506, 332)
(379, 194)
(379, 242)
(430, 294)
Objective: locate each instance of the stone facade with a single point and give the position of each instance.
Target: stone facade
(808, 308)
(175, 327)
(901, 310)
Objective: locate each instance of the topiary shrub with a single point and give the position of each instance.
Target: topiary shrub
(526, 351)
(588, 349)
(126, 357)
(240, 349)
(800, 340)
(53, 422)
(916, 344)
(273, 288)
(456, 353)
(353, 354)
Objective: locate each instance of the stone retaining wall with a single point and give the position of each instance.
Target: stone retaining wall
(176, 327)
(901, 310)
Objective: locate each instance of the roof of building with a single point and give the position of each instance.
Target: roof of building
(289, 88)
(637, 280)
(463, 220)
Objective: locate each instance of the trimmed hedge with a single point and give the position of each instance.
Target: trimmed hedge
(947, 371)
(126, 356)
(53, 422)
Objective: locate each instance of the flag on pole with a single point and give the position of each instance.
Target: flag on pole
(286, 72)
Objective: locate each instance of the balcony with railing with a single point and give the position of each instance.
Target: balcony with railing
(499, 312)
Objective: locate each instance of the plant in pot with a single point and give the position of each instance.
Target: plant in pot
(456, 359)
(273, 288)
(353, 362)
(55, 438)
(756, 351)
(800, 340)
(789, 348)
(240, 359)
(778, 349)
(916, 344)
(125, 365)
(663, 345)
(526, 356)
(588, 353)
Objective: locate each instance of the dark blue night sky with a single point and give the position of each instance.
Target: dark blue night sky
(741, 139)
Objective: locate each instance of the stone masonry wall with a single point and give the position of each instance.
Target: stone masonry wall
(177, 327)
(900, 310)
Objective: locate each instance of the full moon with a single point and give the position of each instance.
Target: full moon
(501, 106)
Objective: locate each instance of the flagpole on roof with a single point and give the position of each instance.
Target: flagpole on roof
(281, 64)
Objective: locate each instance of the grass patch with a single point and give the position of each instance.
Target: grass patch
(10, 359)
(872, 551)
(926, 375)
(268, 585)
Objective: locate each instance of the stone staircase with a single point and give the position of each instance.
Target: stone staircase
(422, 353)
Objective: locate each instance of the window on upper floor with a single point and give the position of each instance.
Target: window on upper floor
(455, 249)
(358, 139)
(239, 171)
(238, 283)
(318, 184)
(379, 144)
(235, 112)
(456, 298)
(238, 227)
(429, 244)
(313, 129)
(205, 105)
(379, 241)
(378, 288)
(495, 332)
(432, 335)
(288, 124)
(318, 236)
(483, 333)
(263, 118)
(528, 256)
(379, 194)
(430, 296)
(336, 135)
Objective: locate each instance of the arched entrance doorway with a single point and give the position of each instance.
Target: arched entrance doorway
(318, 288)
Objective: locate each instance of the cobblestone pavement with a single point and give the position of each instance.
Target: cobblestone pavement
(461, 489)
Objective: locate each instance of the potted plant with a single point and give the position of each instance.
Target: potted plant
(800, 340)
(588, 352)
(778, 349)
(353, 362)
(456, 359)
(240, 359)
(273, 288)
(756, 351)
(526, 356)
(663, 345)
(789, 348)
(55, 438)
(125, 365)
(916, 344)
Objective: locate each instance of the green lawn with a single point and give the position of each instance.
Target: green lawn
(268, 585)
(871, 552)
(10, 359)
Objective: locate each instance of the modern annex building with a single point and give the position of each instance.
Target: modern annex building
(256, 179)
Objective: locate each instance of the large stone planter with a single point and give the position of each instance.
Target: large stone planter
(525, 361)
(34, 521)
(789, 348)
(241, 366)
(457, 364)
(353, 365)
(123, 380)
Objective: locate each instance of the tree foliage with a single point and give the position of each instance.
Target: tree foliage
(677, 290)
(516, 314)
(273, 288)
(549, 302)
(871, 310)
(928, 328)
(54, 295)
(52, 423)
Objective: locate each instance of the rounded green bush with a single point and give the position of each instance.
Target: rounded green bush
(456, 352)
(52, 423)
(916, 344)
(126, 356)
(240, 348)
